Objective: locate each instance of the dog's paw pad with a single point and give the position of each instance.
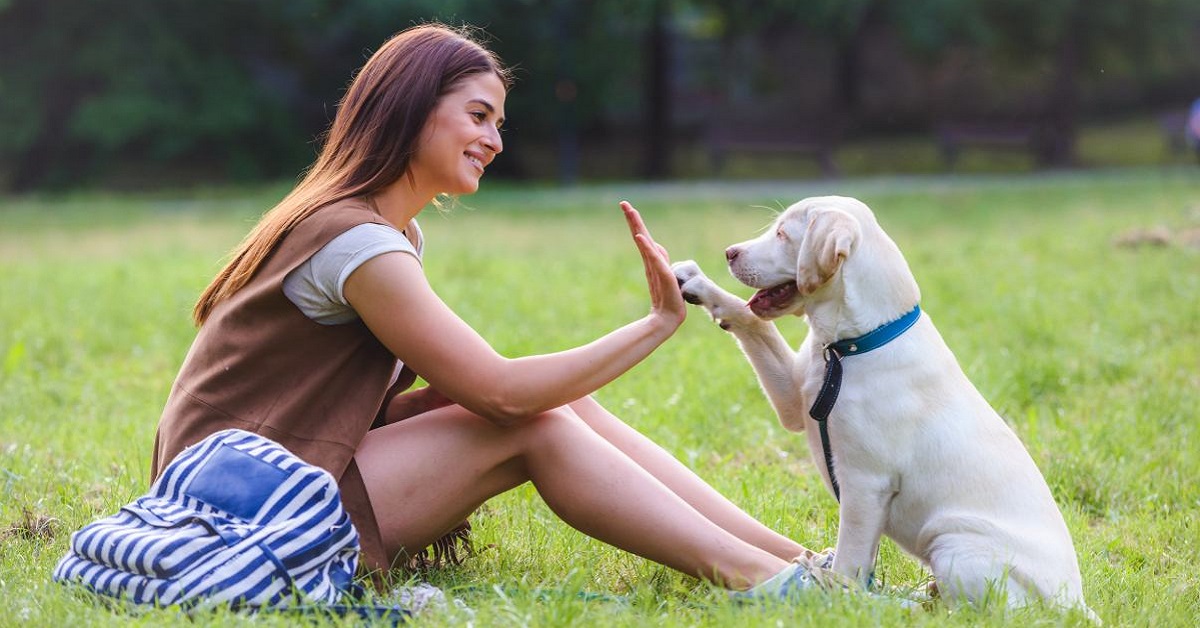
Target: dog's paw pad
(686, 270)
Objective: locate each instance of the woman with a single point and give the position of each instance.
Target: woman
(300, 335)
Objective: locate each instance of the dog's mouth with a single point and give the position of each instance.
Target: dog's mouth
(773, 299)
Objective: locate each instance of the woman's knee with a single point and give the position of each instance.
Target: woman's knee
(561, 422)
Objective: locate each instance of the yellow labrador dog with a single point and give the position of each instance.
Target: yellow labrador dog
(905, 440)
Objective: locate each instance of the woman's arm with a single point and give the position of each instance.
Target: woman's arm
(394, 299)
(413, 402)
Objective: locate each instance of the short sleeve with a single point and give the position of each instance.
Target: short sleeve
(316, 286)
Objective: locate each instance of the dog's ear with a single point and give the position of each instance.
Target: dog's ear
(831, 236)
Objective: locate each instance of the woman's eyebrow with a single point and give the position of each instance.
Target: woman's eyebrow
(486, 105)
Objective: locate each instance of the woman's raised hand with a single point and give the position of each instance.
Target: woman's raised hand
(666, 301)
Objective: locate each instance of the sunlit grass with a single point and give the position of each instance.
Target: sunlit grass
(1087, 348)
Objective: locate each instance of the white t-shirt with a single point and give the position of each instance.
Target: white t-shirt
(316, 285)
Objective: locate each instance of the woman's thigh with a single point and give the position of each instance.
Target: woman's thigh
(429, 472)
(630, 441)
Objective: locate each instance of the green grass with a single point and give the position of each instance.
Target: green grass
(1090, 350)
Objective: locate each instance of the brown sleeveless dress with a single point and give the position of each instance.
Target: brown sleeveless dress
(259, 364)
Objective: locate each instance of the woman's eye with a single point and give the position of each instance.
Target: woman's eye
(479, 116)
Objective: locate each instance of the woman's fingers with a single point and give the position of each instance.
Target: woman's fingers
(662, 250)
(638, 226)
(664, 290)
(641, 235)
(633, 218)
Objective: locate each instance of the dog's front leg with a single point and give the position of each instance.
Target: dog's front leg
(863, 513)
(774, 362)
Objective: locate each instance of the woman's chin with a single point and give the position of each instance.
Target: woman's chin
(470, 185)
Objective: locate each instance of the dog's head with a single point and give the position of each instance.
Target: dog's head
(810, 254)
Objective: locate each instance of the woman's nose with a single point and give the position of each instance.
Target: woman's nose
(493, 142)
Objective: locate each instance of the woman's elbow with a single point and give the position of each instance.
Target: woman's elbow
(494, 397)
(504, 411)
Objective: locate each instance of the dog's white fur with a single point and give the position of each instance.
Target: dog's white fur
(918, 453)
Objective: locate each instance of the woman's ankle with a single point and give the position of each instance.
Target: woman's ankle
(749, 576)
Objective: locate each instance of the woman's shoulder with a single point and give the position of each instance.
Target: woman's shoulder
(344, 214)
(371, 235)
(350, 213)
(331, 220)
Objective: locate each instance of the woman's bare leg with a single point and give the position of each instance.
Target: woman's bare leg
(684, 482)
(426, 473)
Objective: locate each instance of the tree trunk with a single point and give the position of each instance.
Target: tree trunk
(52, 157)
(1056, 144)
(847, 67)
(656, 99)
(847, 70)
(566, 93)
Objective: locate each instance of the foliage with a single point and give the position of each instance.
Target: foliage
(240, 90)
(241, 84)
(1111, 32)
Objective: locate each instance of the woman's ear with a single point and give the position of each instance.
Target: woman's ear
(831, 236)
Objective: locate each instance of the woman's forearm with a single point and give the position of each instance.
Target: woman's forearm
(534, 384)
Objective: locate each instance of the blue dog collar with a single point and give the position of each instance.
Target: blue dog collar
(878, 337)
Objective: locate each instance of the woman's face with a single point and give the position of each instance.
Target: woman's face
(461, 137)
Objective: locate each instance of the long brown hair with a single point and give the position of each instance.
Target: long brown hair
(370, 141)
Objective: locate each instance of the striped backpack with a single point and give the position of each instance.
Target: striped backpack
(236, 521)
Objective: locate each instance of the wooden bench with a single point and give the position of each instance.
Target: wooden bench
(955, 137)
(725, 138)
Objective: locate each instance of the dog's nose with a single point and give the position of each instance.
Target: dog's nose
(731, 253)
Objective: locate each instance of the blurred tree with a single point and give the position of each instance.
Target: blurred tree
(566, 90)
(844, 24)
(1052, 44)
(1063, 42)
(848, 24)
(240, 85)
(86, 80)
(736, 21)
(581, 68)
(241, 88)
(656, 102)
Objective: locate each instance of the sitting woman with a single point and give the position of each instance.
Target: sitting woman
(323, 317)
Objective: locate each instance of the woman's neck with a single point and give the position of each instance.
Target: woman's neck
(400, 202)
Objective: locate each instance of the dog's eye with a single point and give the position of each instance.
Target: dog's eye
(780, 234)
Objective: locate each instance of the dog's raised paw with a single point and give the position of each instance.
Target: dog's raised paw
(686, 271)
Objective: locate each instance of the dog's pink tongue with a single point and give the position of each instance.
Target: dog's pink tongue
(772, 298)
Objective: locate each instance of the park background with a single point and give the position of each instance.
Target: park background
(1028, 157)
(147, 93)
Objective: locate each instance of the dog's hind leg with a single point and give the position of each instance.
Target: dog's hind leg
(979, 578)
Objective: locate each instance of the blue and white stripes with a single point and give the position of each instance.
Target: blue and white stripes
(234, 520)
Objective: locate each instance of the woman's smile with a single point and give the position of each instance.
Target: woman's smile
(464, 125)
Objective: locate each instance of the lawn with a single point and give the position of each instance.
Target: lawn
(1089, 347)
